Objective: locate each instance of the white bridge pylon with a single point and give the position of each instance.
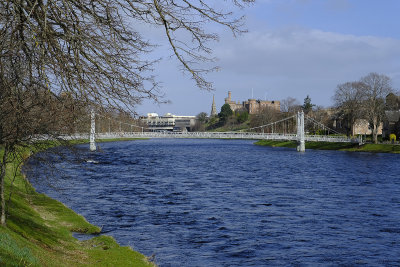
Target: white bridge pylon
(301, 143)
(300, 137)
(92, 137)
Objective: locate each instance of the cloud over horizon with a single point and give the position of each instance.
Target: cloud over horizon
(298, 61)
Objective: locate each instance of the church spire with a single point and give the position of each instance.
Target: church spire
(213, 109)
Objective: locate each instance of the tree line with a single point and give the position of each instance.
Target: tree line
(367, 98)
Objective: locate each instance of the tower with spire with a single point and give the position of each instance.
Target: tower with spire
(213, 109)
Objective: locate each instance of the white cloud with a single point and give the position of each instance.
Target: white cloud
(297, 61)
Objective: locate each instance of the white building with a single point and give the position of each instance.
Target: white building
(169, 122)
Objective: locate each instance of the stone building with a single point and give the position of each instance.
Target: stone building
(361, 126)
(252, 106)
(391, 124)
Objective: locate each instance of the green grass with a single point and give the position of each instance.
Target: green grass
(39, 232)
(13, 253)
(376, 148)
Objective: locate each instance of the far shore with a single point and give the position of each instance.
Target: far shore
(374, 148)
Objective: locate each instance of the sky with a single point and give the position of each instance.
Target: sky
(293, 48)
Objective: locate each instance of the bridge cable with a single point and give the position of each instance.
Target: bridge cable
(321, 125)
(121, 122)
(272, 123)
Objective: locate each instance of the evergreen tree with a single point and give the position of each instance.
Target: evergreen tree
(307, 106)
(225, 113)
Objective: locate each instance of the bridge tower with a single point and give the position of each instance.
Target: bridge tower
(92, 131)
(301, 146)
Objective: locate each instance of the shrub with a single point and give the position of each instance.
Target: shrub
(392, 138)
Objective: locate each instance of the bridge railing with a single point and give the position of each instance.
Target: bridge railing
(222, 135)
(217, 135)
(240, 135)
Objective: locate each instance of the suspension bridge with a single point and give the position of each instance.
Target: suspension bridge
(278, 130)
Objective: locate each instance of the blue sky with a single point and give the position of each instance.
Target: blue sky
(293, 48)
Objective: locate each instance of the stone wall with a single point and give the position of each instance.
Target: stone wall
(252, 106)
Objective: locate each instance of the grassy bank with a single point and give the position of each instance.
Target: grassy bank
(376, 148)
(39, 231)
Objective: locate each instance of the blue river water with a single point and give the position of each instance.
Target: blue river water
(195, 202)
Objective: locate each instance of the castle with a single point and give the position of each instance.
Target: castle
(252, 106)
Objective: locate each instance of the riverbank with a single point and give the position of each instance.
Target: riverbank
(375, 148)
(39, 230)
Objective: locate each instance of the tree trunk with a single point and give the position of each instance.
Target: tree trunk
(375, 130)
(3, 166)
(375, 134)
(353, 128)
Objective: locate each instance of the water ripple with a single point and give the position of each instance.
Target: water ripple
(230, 203)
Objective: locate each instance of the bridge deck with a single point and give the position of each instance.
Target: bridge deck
(221, 135)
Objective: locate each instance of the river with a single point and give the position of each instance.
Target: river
(193, 202)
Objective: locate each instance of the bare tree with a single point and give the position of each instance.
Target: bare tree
(375, 88)
(364, 99)
(265, 116)
(202, 117)
(27, 117)
(290, 105)
(91, 48)
(348, 99)
(91, 51)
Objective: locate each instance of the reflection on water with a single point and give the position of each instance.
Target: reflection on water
(231, 203)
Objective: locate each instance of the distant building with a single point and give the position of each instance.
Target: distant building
(252, 106)
(168, 122)
(362, 126)
(391, 124)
